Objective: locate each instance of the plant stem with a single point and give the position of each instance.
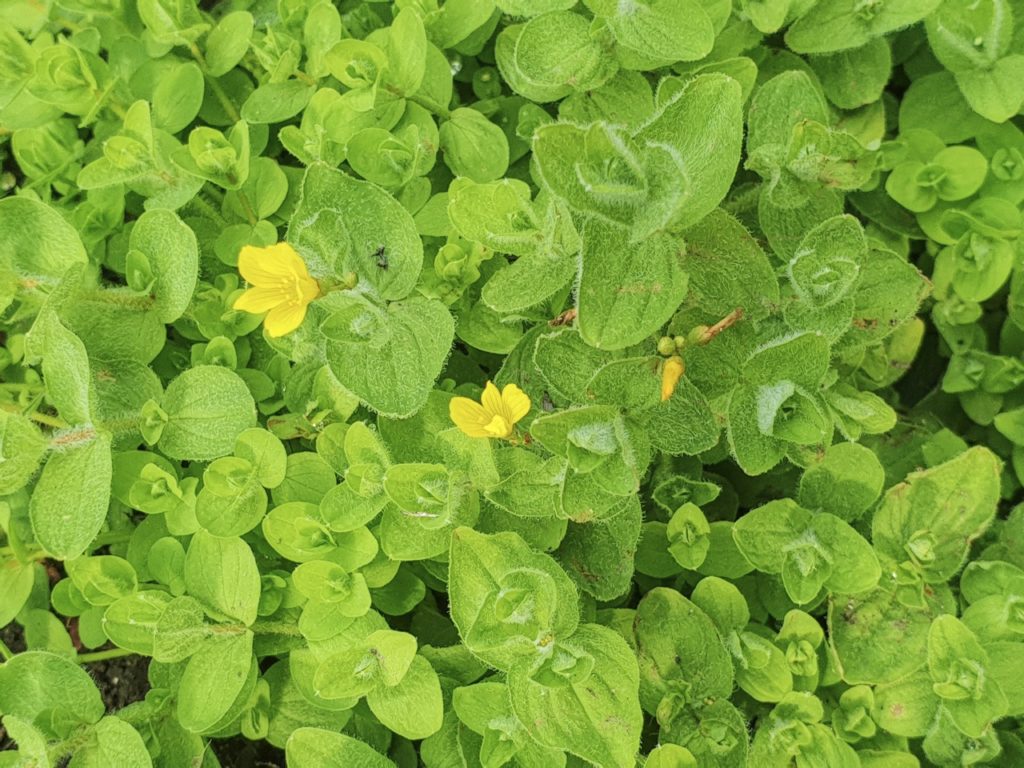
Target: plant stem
(729, 320)
(5, 652)
(250, 214)
(218, 91)
(276, 628)
(112, 653)
(42, 418)
(224, 99)
(111, 537)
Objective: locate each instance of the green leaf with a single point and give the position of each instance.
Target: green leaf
(701, 129)
(810, 551)
(155, 624)
(594, 714)
(684, 424)
(846, 482)
(487, 710)
(599, 555)
(232, 502)
(113, 743)
(213, 679)
(506, 597)
(228, 42)
(855, 77)
(69, 503)
(207, 408)
(836, 25)
(394, 372)
(383, 658)
(318, 748)
(659, 31)
(341, 223)
(622, 301)
(876, 638)
(688, 535)
(932, 518)
(22, 447)
(958, 667)
(222, 574)
(37, 241)
(412, 708)
(102, 579)
(170, 251)
(65, 367)
(266, 453)
(996, 94)
(670, 174)
(679, 650)
(473, 146)
(828, 261)
(550, 56)
(178, 97)
(38, 683)
(728, 269)
(16, 580)
(533, 7)
(276, 102)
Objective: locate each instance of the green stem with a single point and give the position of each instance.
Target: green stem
(250, 214)
(223, 99)
(121, 425)
(111, 537)
(120, 298)
(198, 56)
(218, 91)
(42, 418)
(276, 628)
(113, 653)
(6, 652)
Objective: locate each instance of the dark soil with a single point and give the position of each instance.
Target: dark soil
(121, 681)
(239, 752)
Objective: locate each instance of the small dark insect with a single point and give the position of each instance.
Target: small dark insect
(381, 257)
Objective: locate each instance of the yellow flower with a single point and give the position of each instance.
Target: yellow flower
(281, 286)
(670, 375)
(495, 414)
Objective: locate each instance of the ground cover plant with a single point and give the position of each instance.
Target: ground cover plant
(537, 383)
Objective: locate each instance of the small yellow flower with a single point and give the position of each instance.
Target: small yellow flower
(496, 413)
(281, 286)
(670, 375)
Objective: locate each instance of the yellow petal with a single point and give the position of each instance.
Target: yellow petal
(517, 403)
(670, 375)
(308, 288)
(259, 300)
(260, 266)
(491, 400)
(284, 319)
(469, 416)
(498, 427)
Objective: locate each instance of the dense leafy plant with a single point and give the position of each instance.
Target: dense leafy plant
(526, 383)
